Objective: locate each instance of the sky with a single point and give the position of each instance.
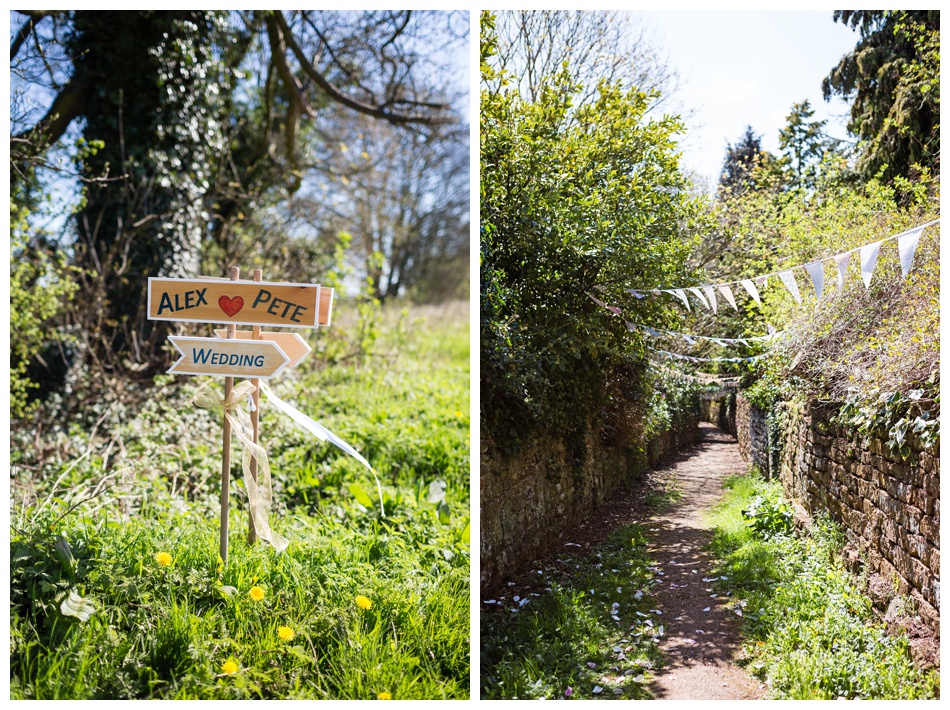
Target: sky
(739, 68)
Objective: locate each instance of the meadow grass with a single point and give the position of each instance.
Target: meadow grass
(117, 588)
(809, 631)
(567, 639)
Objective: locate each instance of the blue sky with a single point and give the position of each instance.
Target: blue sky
(740, 68)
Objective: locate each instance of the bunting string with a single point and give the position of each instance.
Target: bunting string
(907, 242)
(690, 358)
(688, 337)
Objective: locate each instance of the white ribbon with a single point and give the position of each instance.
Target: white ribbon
(322, 433)
(258, 491)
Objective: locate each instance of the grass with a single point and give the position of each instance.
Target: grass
(809, 632)
(96, 612)
(567, 639)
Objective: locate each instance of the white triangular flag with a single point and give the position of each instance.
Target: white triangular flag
(842, 260)
(727, 292)
(711, 295)
(751, 290)
(906, 246)
(699, 295)
(680, 295)
(763, 281)
(869, 254)
(630, 326)
(788, 278)
(597, 301)
(817, 272)
(688, 339)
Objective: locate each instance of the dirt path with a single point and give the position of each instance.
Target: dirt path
(702, 635)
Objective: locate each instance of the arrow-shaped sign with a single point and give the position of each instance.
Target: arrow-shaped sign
(293, 346)
(255, 359)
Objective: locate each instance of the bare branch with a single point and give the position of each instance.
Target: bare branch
(337, 95)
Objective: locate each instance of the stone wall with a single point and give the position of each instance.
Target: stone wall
(889, 508)
(531, 500)
(720, 410)
(752, 432)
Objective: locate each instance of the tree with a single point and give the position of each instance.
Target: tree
(740, 167)
(804, 144)
(609, 46)
(892, 79)
(199, 119)
(404, 196)
(576, 199)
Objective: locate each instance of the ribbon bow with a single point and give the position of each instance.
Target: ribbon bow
(259, 491)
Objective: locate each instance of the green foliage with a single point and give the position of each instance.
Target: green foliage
(901, 419)
(769, 516)
(575, 200)
(852, 341)
(540, 644)
(39, 289)
(96, 614)
(810, 632)
(892, 80)
(804, 145)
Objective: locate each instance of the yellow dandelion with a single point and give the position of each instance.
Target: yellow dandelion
(285, 632)
(229, 667)
(163, 558)
(458, 414)
(363, 603)
(385, 696)
(257, 594)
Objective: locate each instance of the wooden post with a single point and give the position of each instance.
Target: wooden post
(255, 418)
(226, 455)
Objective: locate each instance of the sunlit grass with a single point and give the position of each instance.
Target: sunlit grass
(809, 632)
(358, 606)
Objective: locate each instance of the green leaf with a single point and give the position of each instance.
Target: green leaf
(361, 496)
(65, 555)
(75, 606)
(443, 513)
(466, 534)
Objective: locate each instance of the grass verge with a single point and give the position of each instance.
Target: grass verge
(566, 633)
(809, 632)
(117, 590)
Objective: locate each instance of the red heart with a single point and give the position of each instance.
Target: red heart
(231, 305)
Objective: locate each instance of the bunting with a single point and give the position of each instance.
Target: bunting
(706, 293)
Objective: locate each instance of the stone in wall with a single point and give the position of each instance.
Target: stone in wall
(530, 500)
(888, 507)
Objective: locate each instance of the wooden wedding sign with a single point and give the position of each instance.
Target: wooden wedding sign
(251, 353)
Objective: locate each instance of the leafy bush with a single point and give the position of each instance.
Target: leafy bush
(769, 515)
(576, 199)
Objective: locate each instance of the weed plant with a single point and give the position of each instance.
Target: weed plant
(574, 637)
(809, 631)
(117, 589)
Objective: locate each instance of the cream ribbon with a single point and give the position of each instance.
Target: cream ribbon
(324, 434)
(258, 492)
